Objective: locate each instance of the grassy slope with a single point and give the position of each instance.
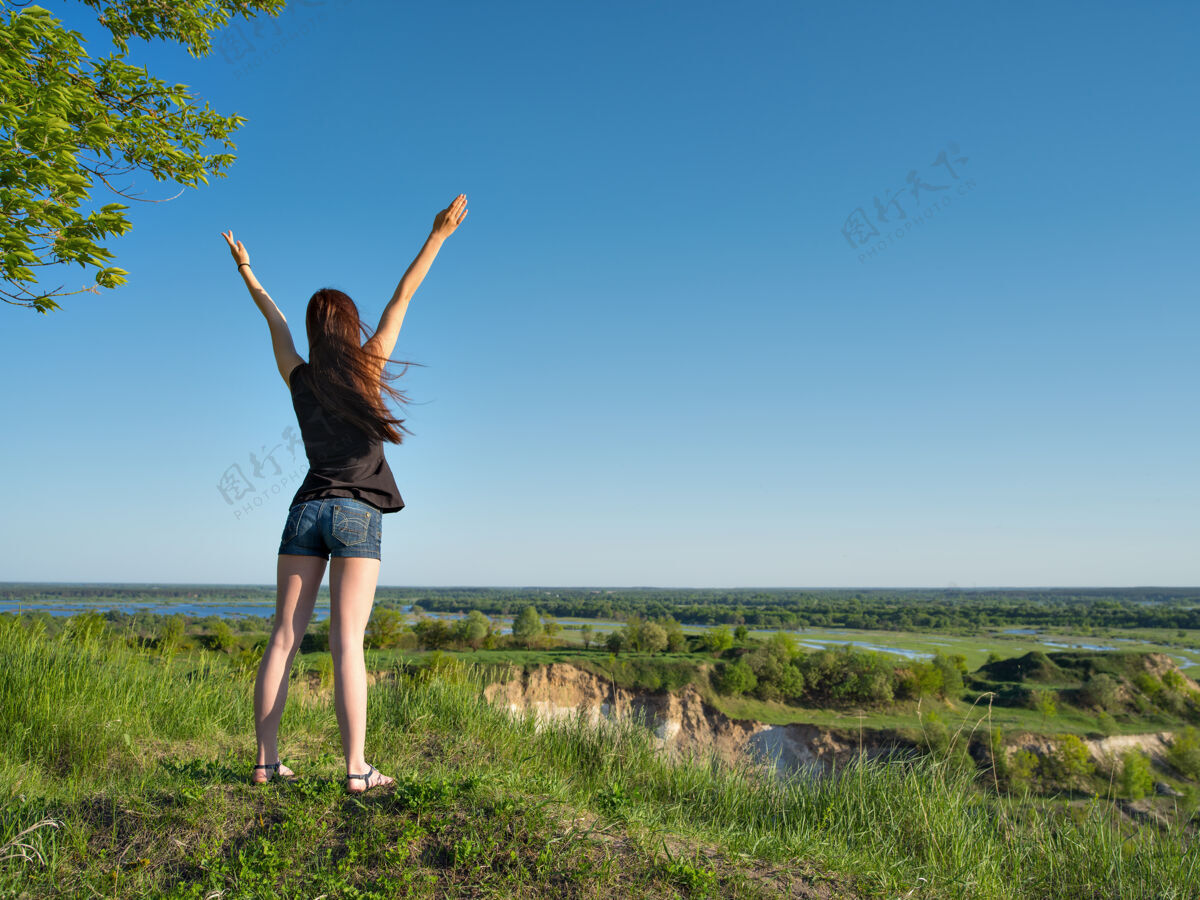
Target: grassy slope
(127, 775)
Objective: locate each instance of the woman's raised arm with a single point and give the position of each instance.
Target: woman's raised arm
(286, 357)
(444, 223)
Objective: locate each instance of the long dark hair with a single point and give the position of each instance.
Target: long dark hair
(348, 379)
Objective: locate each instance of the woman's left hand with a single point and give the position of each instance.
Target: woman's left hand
(239, 252)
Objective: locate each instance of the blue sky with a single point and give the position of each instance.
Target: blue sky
(652, 354)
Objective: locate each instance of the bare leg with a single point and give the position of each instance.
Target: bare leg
(298, 580)
(352, 583)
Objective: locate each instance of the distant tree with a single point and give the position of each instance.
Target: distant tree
(585, 635)
(632, 632)
(222, 637)
(383, 628)
(476, 628)
(615, 641)
(1045, 704)
(652, 638)
(740, 633)
(550, 626)
(528, 625)
(73, 119)
(676, 639)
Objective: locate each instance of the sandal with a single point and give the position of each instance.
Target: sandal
(371, 770)
(274, 775)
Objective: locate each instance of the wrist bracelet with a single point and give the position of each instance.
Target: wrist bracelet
(242, 264)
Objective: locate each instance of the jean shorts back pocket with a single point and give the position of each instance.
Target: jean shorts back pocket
(292, 527)
(350, 525)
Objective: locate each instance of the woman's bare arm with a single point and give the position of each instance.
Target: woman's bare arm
(286, 357)
(444, 223)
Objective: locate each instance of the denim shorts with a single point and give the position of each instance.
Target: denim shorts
(333, 526)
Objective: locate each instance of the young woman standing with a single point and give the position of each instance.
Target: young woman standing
(336, 515)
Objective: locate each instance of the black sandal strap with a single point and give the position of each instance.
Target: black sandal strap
(367, 777)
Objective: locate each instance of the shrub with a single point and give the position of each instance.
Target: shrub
(952, 682)
(1137, 779)
(783, 646)
(1100, 691)
(791, 682)
(735, 678)
(171, 634)
(88, 627)
(1148, 685)
(1022, 765)
(935, 734)
(765, 665)
(846, 676)
(922, 679)
(1184, 753)
(1071, 759)
(1044, 702)
(718, 639)
(432, 634)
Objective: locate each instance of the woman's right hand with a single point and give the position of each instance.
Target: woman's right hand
(450, 218)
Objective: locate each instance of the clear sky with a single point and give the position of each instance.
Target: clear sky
(658, 352)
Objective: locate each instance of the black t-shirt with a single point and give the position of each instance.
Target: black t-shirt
(343, 461)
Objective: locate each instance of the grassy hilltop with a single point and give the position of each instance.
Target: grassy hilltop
(125, 773)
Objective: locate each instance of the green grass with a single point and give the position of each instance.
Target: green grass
(125, 774)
